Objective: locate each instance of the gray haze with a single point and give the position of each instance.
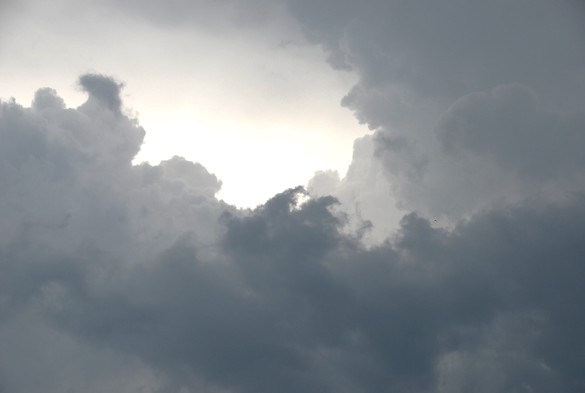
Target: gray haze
(449, 259)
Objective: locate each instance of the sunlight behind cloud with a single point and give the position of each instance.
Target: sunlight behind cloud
(448, 257)
(223, 99)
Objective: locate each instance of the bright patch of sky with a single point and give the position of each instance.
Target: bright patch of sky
(233, 102)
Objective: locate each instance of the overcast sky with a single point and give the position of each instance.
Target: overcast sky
(292, 196)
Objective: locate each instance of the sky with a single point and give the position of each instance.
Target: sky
(194, 85)
(293, 196)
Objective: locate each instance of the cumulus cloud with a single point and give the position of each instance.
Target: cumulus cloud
(472, 104)
(136, 278)
(103, 89)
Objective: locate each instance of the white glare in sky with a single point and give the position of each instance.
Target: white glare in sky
(262, 114)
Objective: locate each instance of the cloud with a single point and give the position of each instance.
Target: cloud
(473, 105)
(103, 89)
(218, 17)
(137, 278)
(539, 143)
(447, 49)
(75, 211)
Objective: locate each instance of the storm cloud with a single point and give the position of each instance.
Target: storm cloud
(136, 278)
(472, 104)
(448, 259)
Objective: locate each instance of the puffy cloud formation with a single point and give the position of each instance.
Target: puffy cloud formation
(473, 103)
(103, 89)
(137, 279)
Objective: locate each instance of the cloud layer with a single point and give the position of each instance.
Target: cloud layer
(137, 279)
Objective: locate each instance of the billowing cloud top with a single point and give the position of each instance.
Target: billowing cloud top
(135, 278)
(103, 89)
(473, 104)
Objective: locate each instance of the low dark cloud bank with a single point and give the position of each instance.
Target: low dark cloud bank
(128, 278)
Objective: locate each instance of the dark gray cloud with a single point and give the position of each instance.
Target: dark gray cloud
(447, 49)
(136, 278)
(509, 126)
(422, 69)
(103, 89)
